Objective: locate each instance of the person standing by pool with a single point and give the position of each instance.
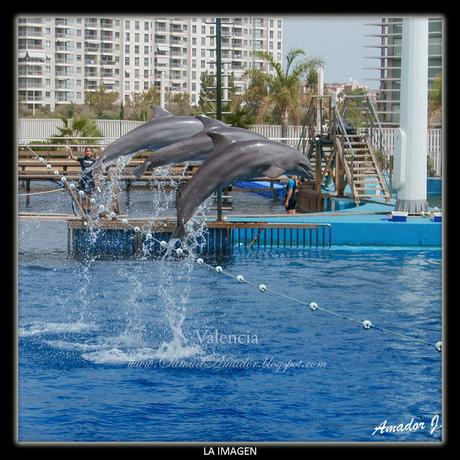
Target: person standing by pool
(86, 182)
(290, 202)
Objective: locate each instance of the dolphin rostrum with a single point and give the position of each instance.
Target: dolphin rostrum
(195, 148)
(163, 129)
(237, 160)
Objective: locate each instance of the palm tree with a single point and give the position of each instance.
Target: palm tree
(284, 86)
(80, 127)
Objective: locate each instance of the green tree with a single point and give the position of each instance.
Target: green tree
(435, 98)
(101, 101)
(178, 103)
(352, 108)
(139, 107)
(284, 86)
(207, 93)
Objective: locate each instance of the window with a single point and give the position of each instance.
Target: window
(203, 41)
(127, 36)
(146, 25)
(136, 61)
(193, 64)
(127, 60)
(146, 61)
(194, 41)
(193, 29)
(193, 86)
(203, 29)
(146, 38)
(136, 86)
(136, 49)
(127, 25)
(136, 73)
(136, 38)
(136, 25)
(279, 45)
(146, 73)
(127, 85)
(203, 53)
(203, 63)
(126, 49)
(193, 52)
(146, 85)
(279, 24)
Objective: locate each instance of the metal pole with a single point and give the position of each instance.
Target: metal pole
(162, 90)
(219, 99)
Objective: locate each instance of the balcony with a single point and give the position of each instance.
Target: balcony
(106, 23)
(91, 37)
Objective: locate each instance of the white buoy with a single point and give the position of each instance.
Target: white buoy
(124, 221)
(179, 251)
(81, 192)
(438, 346)
(219, 269)
(112, 214)
(137, 229)
(41, 159)
(148, 236)
(199, 261)
(163, 244)
(313, 306)
(93, 200)
(262, 287)
(56, 172)
(64, 179)
(101, 208)
(240, 278)
(48, 166)
(367, 324)
(72, 185)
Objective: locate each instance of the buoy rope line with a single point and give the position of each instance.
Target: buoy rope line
(366, 324)
(41, 193)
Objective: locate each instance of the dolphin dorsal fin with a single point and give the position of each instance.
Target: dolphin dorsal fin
(220, 140)
(210, 123)
(159, 112)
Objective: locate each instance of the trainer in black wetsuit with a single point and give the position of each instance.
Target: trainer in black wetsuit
(290, 202)
(86, 182)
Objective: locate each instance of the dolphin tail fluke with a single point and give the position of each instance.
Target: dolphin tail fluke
(179, 232)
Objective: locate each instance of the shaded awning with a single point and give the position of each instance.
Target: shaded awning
(37, 55)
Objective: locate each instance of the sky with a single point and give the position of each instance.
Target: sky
(339, 40)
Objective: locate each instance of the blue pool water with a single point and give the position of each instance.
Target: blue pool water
(145, 350)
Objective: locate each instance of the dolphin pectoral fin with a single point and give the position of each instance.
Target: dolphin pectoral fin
(139, 170)
(159, 112)
(273, 171)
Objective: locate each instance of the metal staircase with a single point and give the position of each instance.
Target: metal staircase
(354, 155)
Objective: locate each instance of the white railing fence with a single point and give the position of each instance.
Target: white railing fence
(30, 130)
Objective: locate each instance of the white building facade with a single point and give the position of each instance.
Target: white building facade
(60, 58)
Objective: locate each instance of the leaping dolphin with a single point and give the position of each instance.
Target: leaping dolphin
(196, 148)
(237, 160)
(163, 129)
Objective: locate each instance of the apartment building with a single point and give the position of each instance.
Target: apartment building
(387, 41)
(60, 58)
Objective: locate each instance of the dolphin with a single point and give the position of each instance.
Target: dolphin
(195, 148)
(237, 160)
(163, 129)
